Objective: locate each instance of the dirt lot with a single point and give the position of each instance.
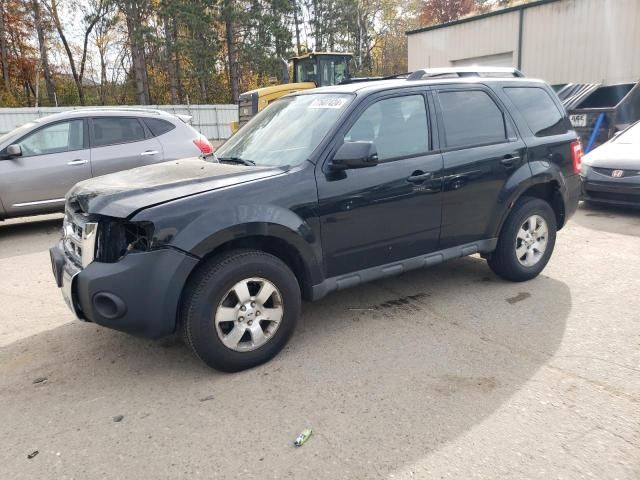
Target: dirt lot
(441, 373)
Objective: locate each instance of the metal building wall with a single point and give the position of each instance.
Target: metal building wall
(585, 41)
(213, 121)
(562, 41)
(443, 46)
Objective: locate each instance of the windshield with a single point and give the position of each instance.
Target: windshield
(632, 135)
(333, 70)
(306, 71)
(287, 131)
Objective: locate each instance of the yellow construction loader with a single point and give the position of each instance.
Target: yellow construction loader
(316, 69)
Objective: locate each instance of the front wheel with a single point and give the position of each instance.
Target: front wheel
(526, 241)
(240, 309)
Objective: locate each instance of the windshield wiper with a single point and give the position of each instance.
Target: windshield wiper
(241, 161)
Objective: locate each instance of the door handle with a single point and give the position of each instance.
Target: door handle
(148, 152)
(417, 177)
(510, 160)
(77, 162)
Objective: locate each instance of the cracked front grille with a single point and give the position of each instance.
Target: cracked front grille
(79, 236)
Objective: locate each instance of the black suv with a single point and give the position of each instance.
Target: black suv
(323, 190)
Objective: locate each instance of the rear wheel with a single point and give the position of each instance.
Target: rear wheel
(240, 309)
(526, 241)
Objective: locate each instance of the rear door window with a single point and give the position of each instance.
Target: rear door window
(397, 126)
(539, 110)
(471, 117)
(116, 130)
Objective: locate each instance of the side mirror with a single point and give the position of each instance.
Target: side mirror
(14, 151)
(355, 155)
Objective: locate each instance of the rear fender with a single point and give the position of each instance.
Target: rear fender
(527, 176)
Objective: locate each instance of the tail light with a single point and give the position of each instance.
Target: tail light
(203, 144)
(576, 155)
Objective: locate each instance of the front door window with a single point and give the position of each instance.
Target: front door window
(397, 126)
(57, 138)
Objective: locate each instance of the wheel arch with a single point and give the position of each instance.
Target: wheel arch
(278, 240)
(547, 187)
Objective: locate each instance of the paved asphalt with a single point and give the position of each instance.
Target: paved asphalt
(442, 373)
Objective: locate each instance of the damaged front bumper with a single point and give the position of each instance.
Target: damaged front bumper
(139, 294)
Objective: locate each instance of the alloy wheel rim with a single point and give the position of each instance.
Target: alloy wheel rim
(249, 314)
(532, 240)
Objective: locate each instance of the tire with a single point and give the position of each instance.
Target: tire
(505, 261)
(212, 297)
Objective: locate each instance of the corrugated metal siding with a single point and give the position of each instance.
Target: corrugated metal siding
(489, 36)
(585, 41)
(582, 41)
(213, 121)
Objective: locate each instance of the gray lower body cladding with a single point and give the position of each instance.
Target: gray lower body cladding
(394, 268)
(140, 294)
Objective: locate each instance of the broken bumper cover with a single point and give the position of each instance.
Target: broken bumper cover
(139, 294)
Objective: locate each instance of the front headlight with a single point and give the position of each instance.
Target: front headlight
(117, 238)
(584, 169)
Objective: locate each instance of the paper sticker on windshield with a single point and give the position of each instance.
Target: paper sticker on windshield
(328, 102)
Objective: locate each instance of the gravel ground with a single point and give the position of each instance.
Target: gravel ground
(441, 373)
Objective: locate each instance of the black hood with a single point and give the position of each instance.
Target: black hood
(124, 193)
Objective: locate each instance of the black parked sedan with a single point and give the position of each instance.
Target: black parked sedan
(611, 173)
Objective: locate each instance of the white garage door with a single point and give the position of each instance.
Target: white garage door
(498, 60)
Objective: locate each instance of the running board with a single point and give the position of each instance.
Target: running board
(395, 268)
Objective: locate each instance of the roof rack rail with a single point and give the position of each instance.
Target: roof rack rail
(457, 72)
(110, 108)
(373, 79)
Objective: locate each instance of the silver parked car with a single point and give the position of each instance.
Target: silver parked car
(611, 173)
(42, 160)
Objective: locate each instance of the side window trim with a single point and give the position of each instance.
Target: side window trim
(85, 140)
(506, 118)
(364, 106)
(147, 133)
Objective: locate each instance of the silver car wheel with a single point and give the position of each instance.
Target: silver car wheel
(532, 240)
(249, 314)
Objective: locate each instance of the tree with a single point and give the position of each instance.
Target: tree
(144, 51)
(442, 11)
(4, 52)
(103, 38)
(136, 13)
(229, 15)
(41, 30)
(93, 13)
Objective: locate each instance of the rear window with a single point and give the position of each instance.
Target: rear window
(158, 127)
(539, 110)
(470, 118)
(114, 130)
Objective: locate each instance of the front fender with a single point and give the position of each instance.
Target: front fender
(204, 230)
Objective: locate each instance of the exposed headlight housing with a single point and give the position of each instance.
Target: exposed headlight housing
(117, 238)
